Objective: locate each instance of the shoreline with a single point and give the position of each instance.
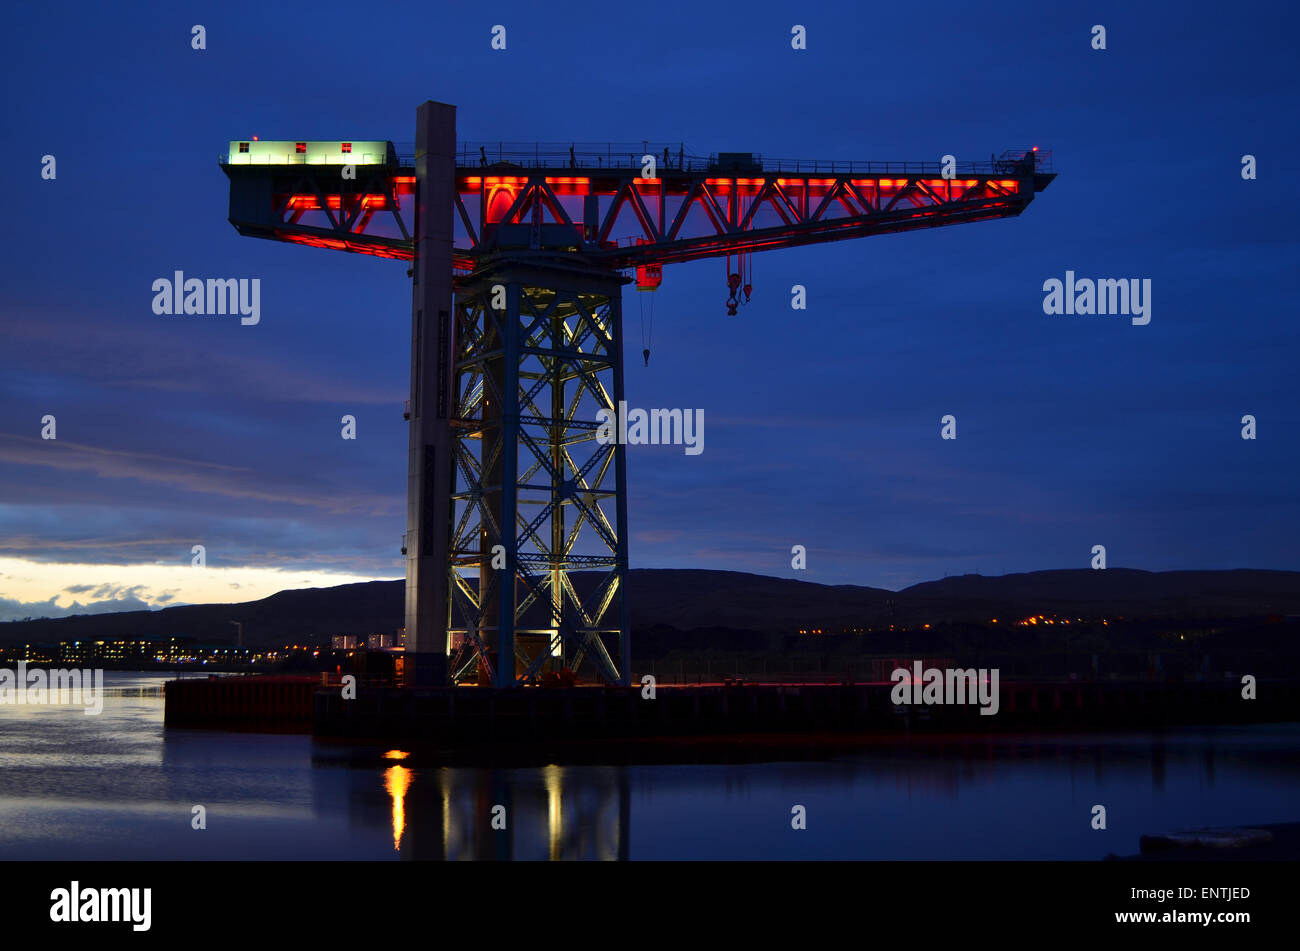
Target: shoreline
(1283, 845)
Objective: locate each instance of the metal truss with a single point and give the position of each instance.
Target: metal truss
(535, 496)
(314, 205)
(614, 217)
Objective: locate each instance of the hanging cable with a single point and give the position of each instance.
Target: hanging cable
(651, 331)
(733, 284)
(647, 327)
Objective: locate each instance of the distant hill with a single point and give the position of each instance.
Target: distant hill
(1121, 591)
(305, 612)
(688, 599)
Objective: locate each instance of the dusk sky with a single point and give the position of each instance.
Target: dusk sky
(821, 427)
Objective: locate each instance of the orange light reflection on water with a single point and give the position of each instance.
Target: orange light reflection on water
(397, 780)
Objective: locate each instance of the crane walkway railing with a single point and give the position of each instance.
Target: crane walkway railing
(674, 157)
(668, 155)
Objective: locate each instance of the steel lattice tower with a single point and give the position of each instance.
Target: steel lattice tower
(536, 494)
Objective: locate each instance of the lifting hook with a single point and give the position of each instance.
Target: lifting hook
(733, 284)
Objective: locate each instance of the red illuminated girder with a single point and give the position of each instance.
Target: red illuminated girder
(344, 244)
(630, 222)
(614, 217)
(335, 202)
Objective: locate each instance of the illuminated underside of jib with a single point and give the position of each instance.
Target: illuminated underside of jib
(808, 210)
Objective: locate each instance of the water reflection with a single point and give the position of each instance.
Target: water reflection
(503, 814)
(120, 786)
(397, 780)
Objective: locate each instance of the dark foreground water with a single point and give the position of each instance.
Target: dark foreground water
(118, 786)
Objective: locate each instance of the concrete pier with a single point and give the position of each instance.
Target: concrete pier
(271, 704)
(473, 718)
(477, 718)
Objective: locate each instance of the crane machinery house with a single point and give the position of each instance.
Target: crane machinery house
(256, 152)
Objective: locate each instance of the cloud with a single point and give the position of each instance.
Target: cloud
(121, 358)
(187, 474)
(13, 610)
(118, 591)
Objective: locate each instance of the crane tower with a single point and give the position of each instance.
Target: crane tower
(516, 540)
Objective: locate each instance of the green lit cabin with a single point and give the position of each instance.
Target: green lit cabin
(255, 152)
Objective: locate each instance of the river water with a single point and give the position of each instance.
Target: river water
(119, 786)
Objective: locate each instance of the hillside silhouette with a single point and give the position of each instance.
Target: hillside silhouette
(688, 599)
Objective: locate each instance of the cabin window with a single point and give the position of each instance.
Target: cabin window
(300, 148)
(243, 147)
(346, 147)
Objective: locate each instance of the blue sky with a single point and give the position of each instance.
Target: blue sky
(822, 426)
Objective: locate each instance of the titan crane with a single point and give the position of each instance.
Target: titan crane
(516, 541)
